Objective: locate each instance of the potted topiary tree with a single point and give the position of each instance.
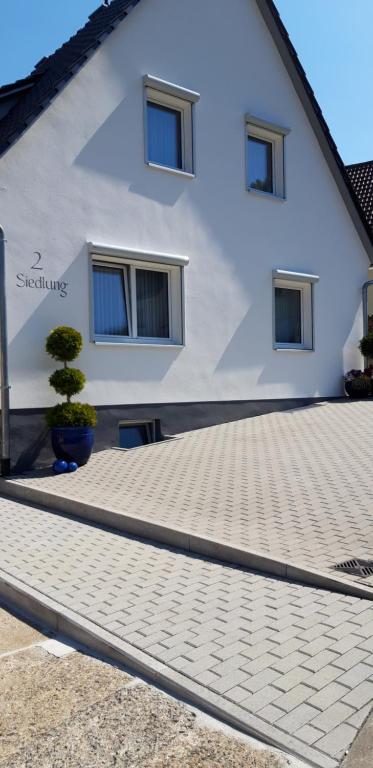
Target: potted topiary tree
(72, 424)
(358, 384)
(366, 345)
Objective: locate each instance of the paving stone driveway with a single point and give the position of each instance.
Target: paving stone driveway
(292, 484)
(295, 658)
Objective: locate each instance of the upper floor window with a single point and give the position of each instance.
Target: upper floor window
(260, 164)
(169, 125)
(265, 170)
(164, 135)
(135, 299)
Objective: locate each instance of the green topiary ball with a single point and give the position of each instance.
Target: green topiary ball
(67, 381)
(366, 345)
(71, 415)
(64, 343)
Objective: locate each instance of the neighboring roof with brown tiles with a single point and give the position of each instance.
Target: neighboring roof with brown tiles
(361, 175)
(52, 72)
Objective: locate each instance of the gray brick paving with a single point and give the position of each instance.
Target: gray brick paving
(220, 626)
(336, 742)
(308, 734)
(295, 485)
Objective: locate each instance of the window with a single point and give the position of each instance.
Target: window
(136, 300)
(110, 287)
(133, 434)
(288, 308)
(260, 164)
(293, 310)
(152, 304)
(169, 125)
(265, 157)
(164, 136)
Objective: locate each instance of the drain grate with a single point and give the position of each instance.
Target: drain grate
(357, 567)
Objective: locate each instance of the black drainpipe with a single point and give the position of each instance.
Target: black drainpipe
(5, 440)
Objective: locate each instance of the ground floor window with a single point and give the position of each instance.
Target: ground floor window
(293, 310)
(136, 301)
(289, 315)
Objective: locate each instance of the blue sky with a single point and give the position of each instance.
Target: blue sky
(332, 37)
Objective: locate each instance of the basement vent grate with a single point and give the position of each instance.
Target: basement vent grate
(357, 567)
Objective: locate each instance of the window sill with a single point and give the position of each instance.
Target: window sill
(137, 344)
(267, 195)
(292, 349)
(174, 171)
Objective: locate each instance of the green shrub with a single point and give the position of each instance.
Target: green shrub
(366, 345)
(67, 381)
(64, 343)
(71, 415)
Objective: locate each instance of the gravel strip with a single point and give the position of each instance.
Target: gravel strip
(137, 727)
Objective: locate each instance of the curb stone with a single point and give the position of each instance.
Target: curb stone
(183, 539)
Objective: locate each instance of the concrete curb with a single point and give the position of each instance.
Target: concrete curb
(76, 627)
(182, 539)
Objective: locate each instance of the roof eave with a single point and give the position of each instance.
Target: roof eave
(17, 86)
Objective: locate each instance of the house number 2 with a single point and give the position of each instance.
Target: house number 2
(38, 260)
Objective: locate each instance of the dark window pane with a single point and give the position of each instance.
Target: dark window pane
(259, 164)
(164, 135)
(133, 435)
(110, 306)
(152, 304)
(288, 314)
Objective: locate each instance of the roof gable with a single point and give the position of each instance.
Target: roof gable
(310, 104)
(53, 72)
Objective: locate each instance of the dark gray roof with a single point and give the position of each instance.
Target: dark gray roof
(18, 85)
(51, 73)
(361, 175)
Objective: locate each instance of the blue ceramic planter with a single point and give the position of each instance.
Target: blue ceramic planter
(73, 443)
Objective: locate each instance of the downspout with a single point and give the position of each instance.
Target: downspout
(365, 306)
(5, 432)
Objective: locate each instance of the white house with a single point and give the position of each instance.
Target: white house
(170, 188)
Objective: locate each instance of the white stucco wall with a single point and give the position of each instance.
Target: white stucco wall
(78, 174)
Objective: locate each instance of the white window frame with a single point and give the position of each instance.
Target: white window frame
(182, 100)
(303, 282)
(260, 129)
(129, 261)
